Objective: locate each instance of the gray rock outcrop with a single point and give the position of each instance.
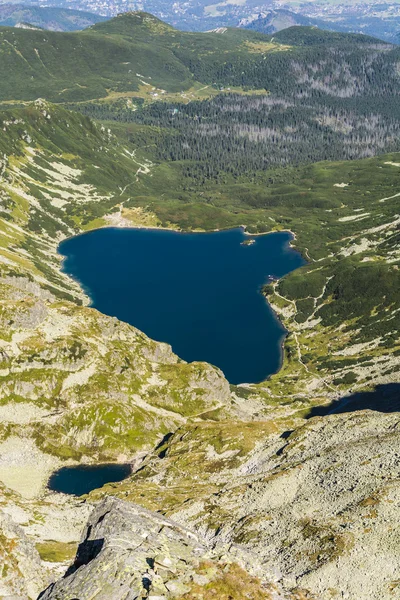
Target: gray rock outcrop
(128, 552)
(22, 575)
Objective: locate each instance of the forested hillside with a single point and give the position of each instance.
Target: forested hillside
(325, 99)
(235, 135)
(137, 53)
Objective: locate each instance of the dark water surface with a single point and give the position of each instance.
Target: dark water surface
(82, 479)
(200, 292)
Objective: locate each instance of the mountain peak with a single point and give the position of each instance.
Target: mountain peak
(133, 23)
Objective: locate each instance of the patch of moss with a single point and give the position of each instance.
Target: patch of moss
(228, 582)
(57, 552)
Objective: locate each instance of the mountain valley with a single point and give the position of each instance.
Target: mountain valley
(286, 489)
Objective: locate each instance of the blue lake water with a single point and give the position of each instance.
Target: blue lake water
(200, 292)
(82, 479)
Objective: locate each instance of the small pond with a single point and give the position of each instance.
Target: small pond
(82, 479)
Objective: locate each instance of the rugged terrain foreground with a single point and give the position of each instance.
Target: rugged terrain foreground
(309, 515)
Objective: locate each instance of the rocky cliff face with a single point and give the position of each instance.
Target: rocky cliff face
(22, 574)
(82, 384)
(128, 552)
(310, 514)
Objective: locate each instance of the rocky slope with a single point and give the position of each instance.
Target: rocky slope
(84, 386)
(76, 382)
(129, 552)
(21, 569)
(310, 514)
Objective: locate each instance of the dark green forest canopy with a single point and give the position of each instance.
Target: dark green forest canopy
(312, 36)
(231, 136)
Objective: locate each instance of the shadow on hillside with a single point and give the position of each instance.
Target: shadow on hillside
(384, 398)
(87, 551)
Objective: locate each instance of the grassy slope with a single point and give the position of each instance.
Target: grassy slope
(77, 66)
(84, 65)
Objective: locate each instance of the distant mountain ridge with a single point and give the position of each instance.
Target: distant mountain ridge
(136, 52)
(379, 19)
(272, 21)
(382, 21)
(45, 17)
